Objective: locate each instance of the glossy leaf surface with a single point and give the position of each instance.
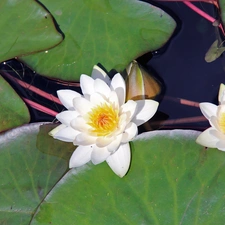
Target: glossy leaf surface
(112, 33)
(31, 163)
(222, 10)
(172, 180)
(26, 27)
(13, 111)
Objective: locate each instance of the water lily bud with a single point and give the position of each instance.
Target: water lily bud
(140, 84)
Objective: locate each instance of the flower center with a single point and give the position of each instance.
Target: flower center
(221, 122)
(103, 119)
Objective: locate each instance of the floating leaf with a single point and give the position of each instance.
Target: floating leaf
(13, 111)
(26, 28)
(172, 180)
(214, 52)
(112, 33)
(28, 172)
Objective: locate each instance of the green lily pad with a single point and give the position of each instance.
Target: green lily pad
(31, 163)
(111, 32)
(172, 180)
(14, 111)
(214, 52)
(222, 10)
(26, 27)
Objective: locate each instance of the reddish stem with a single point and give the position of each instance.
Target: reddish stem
(194, 119)
(183, 101)
(37, 91)
(203, 14)
(40, 107)
(34, 89)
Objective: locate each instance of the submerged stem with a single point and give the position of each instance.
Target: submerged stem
(203, 14)
(40, 107)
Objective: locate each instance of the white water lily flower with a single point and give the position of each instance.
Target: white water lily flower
(100, 122)
(214, 137)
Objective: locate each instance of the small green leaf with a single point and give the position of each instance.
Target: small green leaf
(172, 180)
(214, 52)
(13, 111)
(26, 28)
(112, 33)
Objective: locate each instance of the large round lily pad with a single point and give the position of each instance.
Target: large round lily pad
(31, 163)
(26, 27)
(13, 110)
(110, 32)
(172, 180)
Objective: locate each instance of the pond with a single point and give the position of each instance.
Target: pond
(183, 68)
(180, 66)
(112, 160)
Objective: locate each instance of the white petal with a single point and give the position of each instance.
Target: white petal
(221, 145)
(118, 85)
(145, 110)
(67, 134)
(129, 108)
(84, 139)
(219, 135)
(130, 132)
(220, 111)
(82, 105)
(86, 84)
(97, 99)
(66, 97)
(113, 100)
(123, 121)
(214, 122)
(80, 156)
(207, 139)
(65, 117)
(221, 95)
(114, 145)
(119, 161)
(97, 72)
(101, 87)
(208, 109)
(104, 141)
(99, 155)
(80, 124)
(57, 129)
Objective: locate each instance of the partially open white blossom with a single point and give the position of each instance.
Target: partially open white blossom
(100, 122)
(214, 137)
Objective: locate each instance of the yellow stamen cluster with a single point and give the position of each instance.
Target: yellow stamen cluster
(103, 119)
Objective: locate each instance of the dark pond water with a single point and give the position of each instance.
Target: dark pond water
(181, 67)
